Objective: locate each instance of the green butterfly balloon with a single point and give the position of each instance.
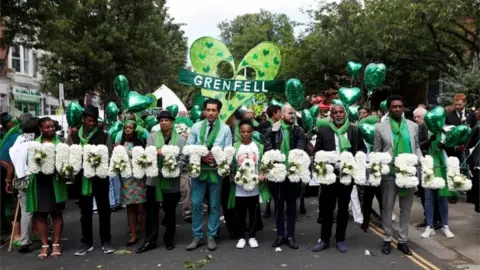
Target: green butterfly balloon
(207, 52)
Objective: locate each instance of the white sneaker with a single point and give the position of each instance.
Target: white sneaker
(429, 231)
(447, 232)
(253, 243)
(241, 243)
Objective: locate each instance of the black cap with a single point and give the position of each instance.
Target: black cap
(91, 110)
(165, 114)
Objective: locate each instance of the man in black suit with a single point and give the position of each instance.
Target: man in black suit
(459, 116)
(339, 136)
(473, 196)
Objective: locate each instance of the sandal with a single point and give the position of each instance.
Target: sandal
(44, 255)
(56, 254)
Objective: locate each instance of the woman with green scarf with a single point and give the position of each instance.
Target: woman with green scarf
(46, 195)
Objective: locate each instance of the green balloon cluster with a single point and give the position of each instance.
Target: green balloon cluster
(352, 112)
(131, 100)
(349, 96)
(295, 93)
(368, 132)
(307, 120)
(112, 112)
(173, 109)
(374, 76)
(115, 128)
(195, 113)
(314, 111)
(150, 122)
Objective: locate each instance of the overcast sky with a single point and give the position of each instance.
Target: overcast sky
(202, 16)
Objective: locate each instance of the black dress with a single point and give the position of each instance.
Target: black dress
(46, 195)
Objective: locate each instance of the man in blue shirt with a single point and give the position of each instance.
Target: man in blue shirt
(210, 132)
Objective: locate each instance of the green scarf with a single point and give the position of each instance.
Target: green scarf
(86, 183)
(207, 171)
(285, 146)
(237, 132)
(59, 187)
(439, 165)
(14, 130)
(263, 186)
(343, 142)
(401, 144)
(164, 183)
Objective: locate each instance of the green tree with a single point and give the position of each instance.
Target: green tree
(89, 42)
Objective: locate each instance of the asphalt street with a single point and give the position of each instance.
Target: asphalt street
(226, 256)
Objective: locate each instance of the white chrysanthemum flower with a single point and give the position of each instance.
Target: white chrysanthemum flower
(120, 163)
(360, 173)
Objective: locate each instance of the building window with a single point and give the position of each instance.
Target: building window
(16, 59)
(34, 64)
(26, 61)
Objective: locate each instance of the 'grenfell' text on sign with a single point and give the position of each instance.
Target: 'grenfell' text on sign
(220, 84)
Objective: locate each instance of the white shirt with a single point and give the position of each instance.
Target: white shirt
(247, 151)
(18, 154)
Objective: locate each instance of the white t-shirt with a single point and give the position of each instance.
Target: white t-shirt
(18, 154)
(247, 151)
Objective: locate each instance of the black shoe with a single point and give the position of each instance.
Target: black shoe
(386, 247)
(453, 200)
(279, 241)
(83, 249)
(24, 249)
(422, 224)
(291, 243)
(169, 245)
(364, 227)
(303, 211)
(437, 225)
(146, 247)
(404, 248)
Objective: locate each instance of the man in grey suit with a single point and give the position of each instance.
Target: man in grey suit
(396, 135)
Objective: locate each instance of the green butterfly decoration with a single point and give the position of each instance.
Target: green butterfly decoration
(207, 52)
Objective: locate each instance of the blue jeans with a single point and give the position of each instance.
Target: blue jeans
(430, 207)
(114, 191)
(199, 188)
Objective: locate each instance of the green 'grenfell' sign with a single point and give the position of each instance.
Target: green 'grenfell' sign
(219, 84)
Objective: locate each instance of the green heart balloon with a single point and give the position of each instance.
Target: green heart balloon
(184, 120)
(368, 132)
(323, 122)
(374, 76)
(435, 119)
(307, 120)
(173, 109)
(383, 106)
(276, 102)
(295, 93)
(111, 111)
(353, 68)
(120, 85)
(314, 111)
(349, 96)
(195, 113)
(74, 114)
(353, 112)
(150, 122)
(458, 136)
(371, 119)
(115, 128)
(337, 101)
(137, 102)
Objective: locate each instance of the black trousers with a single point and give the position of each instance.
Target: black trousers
(244, 205)
(100, 190)
(228, 214)
(330, 195)
(152, 207)
(285, 193)
(476, 188)
(473, 195)
(436, 211)
(369, 193)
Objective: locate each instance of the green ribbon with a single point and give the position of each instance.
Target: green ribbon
(86, 183)
(59, 187)
(207, 171)
(15, 129)
(401, 144)
(285, 146)
(343, 142)
(164, 184)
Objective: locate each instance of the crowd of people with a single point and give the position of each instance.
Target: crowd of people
(42, 197)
